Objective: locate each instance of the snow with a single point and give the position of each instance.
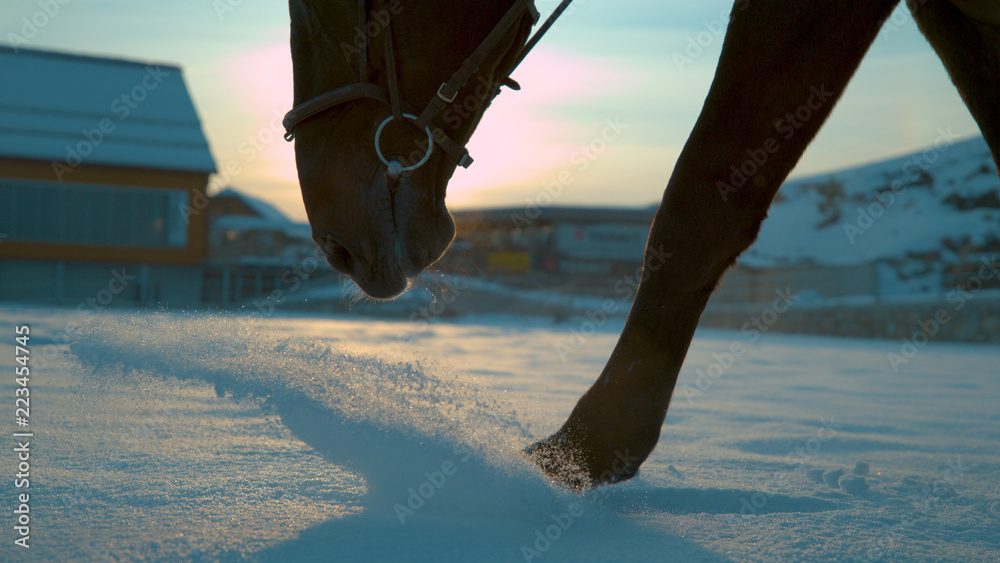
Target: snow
(433, 285)
(885, 210)
(246, 223)
(168, 436)
(70, 109)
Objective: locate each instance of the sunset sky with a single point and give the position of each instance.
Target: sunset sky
(604, 62)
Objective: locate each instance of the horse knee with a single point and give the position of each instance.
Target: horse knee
(747, 230)
(741, 229)
(699, 246)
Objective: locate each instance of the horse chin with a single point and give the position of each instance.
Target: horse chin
(389, 279)
(408, 230)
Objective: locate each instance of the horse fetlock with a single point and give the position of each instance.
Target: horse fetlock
(592, 449)
(580, 464)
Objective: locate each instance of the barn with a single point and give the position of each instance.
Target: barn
(103, 172)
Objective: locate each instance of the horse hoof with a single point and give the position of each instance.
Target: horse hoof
(567, 464)
(559, 461)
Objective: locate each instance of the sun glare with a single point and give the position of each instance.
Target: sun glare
(525, 135)
(263, 79)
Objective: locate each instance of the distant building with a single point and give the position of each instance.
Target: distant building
(256, 252)
(103, 170)
(599, 251)
(745, 284)
(579, 246)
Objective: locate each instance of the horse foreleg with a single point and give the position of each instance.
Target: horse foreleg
(783, 66)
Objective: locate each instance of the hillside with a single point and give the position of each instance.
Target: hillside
(926, 216)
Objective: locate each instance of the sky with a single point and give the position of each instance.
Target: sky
(606, 70)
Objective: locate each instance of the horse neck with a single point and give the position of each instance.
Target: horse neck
(325, 38)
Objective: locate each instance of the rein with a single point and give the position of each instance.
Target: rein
(446, 93)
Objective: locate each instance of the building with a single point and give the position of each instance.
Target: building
(598, 251)
(103, 170)
(255, 252)
(578, 247)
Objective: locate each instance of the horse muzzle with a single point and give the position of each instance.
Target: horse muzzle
(404, 230)
(383, 274)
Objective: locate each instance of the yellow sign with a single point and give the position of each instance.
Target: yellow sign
(508, 262)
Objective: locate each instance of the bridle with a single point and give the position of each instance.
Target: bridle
(446, 93)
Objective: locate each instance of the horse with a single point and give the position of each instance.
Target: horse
(379, 214)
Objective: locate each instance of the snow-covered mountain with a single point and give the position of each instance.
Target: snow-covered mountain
(922, 215)
(944, 199)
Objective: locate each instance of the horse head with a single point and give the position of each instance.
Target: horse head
(374, 156)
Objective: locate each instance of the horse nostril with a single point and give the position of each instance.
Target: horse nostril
(343, 257)
(336, 254)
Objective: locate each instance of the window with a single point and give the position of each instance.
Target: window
(92, 214)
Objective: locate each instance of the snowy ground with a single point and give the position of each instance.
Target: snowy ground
(168, 437)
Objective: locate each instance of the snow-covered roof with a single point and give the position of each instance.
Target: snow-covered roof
(260, 207)
(266, 218)
(245, 223)
(71, 108)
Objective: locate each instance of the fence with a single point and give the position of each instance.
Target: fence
(748, 285)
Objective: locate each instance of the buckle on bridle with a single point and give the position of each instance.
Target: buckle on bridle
(444, 97)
